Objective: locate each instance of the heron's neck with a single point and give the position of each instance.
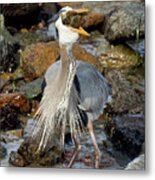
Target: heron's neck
(67, 70)
(68, 62)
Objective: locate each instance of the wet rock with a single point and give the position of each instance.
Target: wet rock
(36, 58)
(137, 164)
(9, 58)
(118, 57)
(122, 19)
(17, 100)
(9, 118)
(16, 159)
(127, 132)
(27, 155)
(2, 151)
(32, 89)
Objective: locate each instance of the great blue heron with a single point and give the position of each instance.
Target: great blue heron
(75, 93)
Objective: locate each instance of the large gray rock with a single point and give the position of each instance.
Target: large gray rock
(122, 19)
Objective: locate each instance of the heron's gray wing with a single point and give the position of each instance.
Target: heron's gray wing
(51, 72)
(94, 90)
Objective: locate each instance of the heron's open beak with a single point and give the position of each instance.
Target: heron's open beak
(80, 30)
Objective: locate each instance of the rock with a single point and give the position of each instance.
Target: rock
(36, 58)
(103, 47)
(6, 76)
(32, 89)
(2, 83)
(83, 55)
(17, 100)
(137, 164)
(9, 118)
(26, 15)
(28, 38)
(127, 132)
(141, 46)
(118, 57)
(16, 160)
(132, 19)
(52, 32)
(127, 90)
(82, 20)
(9, 57)
(93, 20)
(71, 4)
(122, 19)
(2, 151)
(20, 15)
(18, 9)
(27, 155)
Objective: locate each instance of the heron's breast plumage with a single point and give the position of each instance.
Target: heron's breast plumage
(92, 87)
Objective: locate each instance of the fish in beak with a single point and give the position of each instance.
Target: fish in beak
(80, 30)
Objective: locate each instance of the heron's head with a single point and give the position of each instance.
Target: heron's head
(68, 34)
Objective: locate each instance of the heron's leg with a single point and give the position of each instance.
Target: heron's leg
(76, 152)
(97, 150)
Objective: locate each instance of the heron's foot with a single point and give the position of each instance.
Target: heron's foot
(75, 154)
(97, 159)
